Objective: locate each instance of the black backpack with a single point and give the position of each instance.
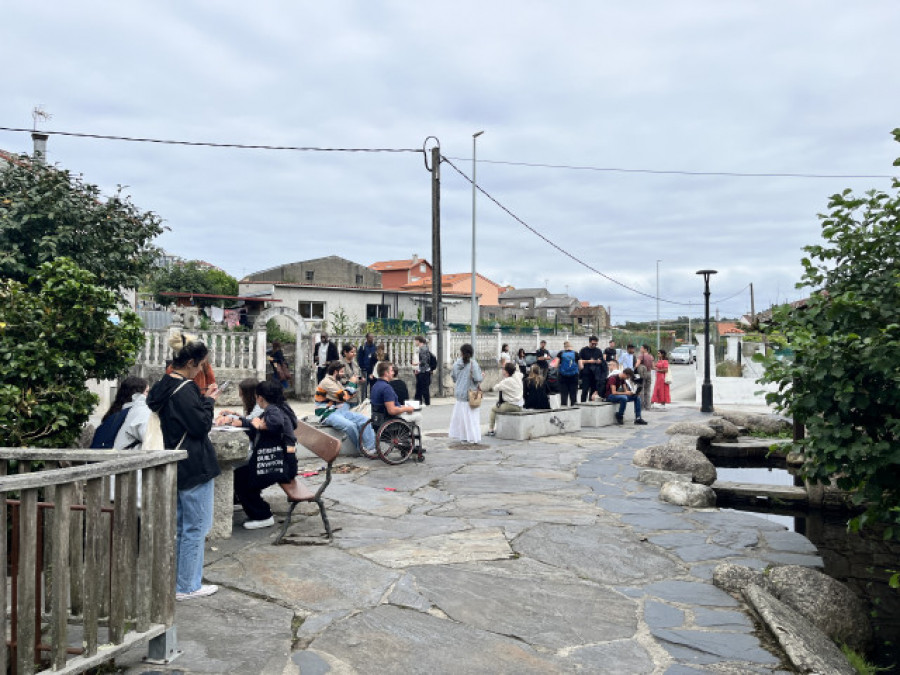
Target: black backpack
(106, 433)
(432, 361)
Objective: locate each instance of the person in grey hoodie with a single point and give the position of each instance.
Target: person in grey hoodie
(186, 416)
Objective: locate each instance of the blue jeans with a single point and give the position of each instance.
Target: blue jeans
(350, 423)
(194, 515)
(622, 400)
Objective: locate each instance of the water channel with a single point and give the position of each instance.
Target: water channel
(863, 561)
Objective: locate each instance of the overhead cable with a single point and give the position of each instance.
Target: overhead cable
(239, 146)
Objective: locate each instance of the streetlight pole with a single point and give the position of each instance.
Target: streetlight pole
(706, 391)
(658, 345)
(474, 195)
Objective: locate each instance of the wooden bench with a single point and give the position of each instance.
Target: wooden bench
(326, 447)
(527, 424)
(347, 446)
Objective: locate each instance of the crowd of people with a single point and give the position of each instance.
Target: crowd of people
(354, 385)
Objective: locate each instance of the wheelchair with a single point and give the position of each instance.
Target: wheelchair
(396, 440)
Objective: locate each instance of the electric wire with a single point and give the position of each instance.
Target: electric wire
(238, 146)
(677, 172)
(564, 251)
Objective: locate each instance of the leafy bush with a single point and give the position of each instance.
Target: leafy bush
(56, 333)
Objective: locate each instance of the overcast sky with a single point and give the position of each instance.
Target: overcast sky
(728, 87)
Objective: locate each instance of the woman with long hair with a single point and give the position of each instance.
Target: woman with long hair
(186, 416)
(661, 393)
(273, 458)
(465, 422)
(521, 363)
(131, 433)
(112, 421)
(537, 396)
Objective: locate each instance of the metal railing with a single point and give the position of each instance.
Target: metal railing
(75, 558)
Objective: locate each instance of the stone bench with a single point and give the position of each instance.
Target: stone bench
(348, 447)
(527, 424)
(598, 413)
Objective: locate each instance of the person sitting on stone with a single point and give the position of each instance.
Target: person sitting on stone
(622, 391)
(510, 392)
(534, 389)
(332, 408)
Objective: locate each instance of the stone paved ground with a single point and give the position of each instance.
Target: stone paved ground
(540, 557)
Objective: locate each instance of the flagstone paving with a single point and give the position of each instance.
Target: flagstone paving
(545, 556)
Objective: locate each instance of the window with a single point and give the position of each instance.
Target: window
(377, 312)
(310, 274)
(422, 268)
(359, 279)
(311, 310)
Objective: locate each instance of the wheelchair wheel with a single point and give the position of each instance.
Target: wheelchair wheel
(394, 442)
(373, 453)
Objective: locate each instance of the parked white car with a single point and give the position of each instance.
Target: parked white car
(683, 354)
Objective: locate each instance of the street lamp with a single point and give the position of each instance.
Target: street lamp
(658, 345)
(706, 391)
(474, 193)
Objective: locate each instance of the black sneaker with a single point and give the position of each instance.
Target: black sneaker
(620, 419)
(638, 420)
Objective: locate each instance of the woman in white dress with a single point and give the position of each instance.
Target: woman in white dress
(465, 423)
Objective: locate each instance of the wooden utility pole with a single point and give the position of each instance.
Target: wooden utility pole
(436, 314)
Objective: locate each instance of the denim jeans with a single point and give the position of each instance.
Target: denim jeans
(194, 514)
(350, 423)
(623, 400)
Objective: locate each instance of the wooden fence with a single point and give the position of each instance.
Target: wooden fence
(88, 578)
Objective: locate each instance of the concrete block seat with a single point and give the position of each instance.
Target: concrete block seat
(598, 413)
(527, 424)
(348, 447)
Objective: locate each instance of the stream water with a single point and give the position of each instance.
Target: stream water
(863, 561)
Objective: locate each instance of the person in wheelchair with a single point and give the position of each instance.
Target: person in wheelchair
(384, 399)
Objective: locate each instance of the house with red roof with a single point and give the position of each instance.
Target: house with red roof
(395, 274)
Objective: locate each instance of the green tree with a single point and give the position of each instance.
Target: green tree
(47, 213)
(57, 332)
(844, 382)
(190, 277)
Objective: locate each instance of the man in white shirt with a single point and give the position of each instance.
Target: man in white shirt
(511, 394)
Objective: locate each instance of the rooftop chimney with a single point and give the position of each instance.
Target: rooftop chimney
(40, 146)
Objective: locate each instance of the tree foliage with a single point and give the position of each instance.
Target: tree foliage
(47, 213)
(844, 382)
(57, 332)
(190, 277)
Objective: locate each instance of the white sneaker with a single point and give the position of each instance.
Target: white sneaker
(259, 524)
(201, 592)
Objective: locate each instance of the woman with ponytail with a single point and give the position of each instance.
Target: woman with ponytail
(186, 416)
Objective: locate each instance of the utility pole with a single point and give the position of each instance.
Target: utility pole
(657, 304)
(436, 317)
(752, 304)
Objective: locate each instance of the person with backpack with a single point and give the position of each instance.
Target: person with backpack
(568, 375)
(185, 418)
(105, 435)
(422, 362)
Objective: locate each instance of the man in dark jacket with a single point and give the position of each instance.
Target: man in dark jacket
(365, 356)
(324, 353)
(593, 369)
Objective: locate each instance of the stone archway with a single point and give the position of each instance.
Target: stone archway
(260, 324)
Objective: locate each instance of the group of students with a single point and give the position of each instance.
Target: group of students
(184, 400)
(599, 372)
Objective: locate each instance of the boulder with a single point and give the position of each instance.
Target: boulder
(769, 424)
(692, 429)
(740, 419)
(735, 578)
(688, 494)
(724, 428)
(807, 647)
(826, 602)
(679, 457)
(658, 477)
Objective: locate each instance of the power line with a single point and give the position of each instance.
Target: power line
(678, 172)
(565, 252)
(239, 146)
